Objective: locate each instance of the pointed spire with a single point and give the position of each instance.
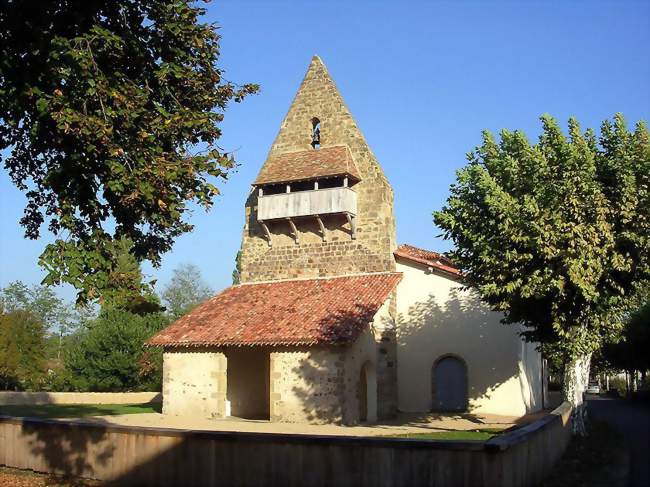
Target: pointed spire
(317, 98)
(318, 101)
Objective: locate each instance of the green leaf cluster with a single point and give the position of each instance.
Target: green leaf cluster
(556, 234)
(22, 350)
(109, 355)
(236, 273)
(631, 352)
(112, 113)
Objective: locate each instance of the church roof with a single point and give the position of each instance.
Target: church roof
(308, 164)
(292, 312)
(427, 257)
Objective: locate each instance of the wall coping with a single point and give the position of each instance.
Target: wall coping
(20, 398)
(499, 443)
(519, 435)
(240, 436)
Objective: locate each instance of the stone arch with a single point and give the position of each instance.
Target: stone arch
(449, 384)
(368, 392)
(315, 133)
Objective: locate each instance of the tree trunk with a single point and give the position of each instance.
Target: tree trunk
(576, 378)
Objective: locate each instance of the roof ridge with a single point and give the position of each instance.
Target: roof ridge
(434, 259)
(295, 151)
(317, 278)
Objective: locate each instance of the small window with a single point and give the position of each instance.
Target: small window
(315, 133)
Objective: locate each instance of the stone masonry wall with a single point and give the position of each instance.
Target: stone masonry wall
(194, 384)
(307, 385)
(340, 254)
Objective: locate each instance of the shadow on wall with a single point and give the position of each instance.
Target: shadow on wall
(324, 390)
(72, 452)
(461, 327)
(77, 452)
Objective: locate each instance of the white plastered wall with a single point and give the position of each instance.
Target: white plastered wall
(436, 317)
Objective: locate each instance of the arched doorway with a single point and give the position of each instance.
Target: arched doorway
(367, 393)
(449, 384)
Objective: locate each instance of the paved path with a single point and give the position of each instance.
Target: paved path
(403, 424)
(632, 420)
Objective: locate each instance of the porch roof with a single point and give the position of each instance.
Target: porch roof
(309, 164)
(292, 312)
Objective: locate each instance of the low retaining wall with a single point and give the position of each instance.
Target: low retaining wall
(160, 457)
(8, 398)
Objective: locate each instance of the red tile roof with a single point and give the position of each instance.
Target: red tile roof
(427, 257)
(309, 164)
(296, 312)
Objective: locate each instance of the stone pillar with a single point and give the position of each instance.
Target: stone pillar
(306, 385)
(194, 383)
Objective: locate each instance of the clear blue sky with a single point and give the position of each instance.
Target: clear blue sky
(422, 80)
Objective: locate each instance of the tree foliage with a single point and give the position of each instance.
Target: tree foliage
(124, 287)
(101, 105)
(632, 352)
(40, 301)
(109, 355)
(556, 235)
(22, 350)
(58, 317)
(236, 273)
(185, 290)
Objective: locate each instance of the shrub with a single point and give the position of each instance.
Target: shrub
(109, 355)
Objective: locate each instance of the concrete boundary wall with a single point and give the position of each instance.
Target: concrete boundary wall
(164, 457)
(27, 398)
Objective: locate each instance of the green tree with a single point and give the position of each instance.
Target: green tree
(22, 350)
(41, 301)
(58, 317)
(124, 286)
(631, 352)
(109, 355)
(556, 235)
(236, 273)
(185, 290)
(112, 113)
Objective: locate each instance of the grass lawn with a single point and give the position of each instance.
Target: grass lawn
(478, 435)
(77, 410)
(599, 459)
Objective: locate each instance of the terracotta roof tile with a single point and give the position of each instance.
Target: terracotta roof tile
(309, 164)
(295, 312)
(427, 257)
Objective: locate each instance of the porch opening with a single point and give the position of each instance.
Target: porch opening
(248, 382)
(367, 393)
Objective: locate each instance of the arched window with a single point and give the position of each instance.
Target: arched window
(315, 133)
(449, 384)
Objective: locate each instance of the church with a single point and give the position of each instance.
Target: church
(332, 321)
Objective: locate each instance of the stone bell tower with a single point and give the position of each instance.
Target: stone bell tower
(321, 205)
